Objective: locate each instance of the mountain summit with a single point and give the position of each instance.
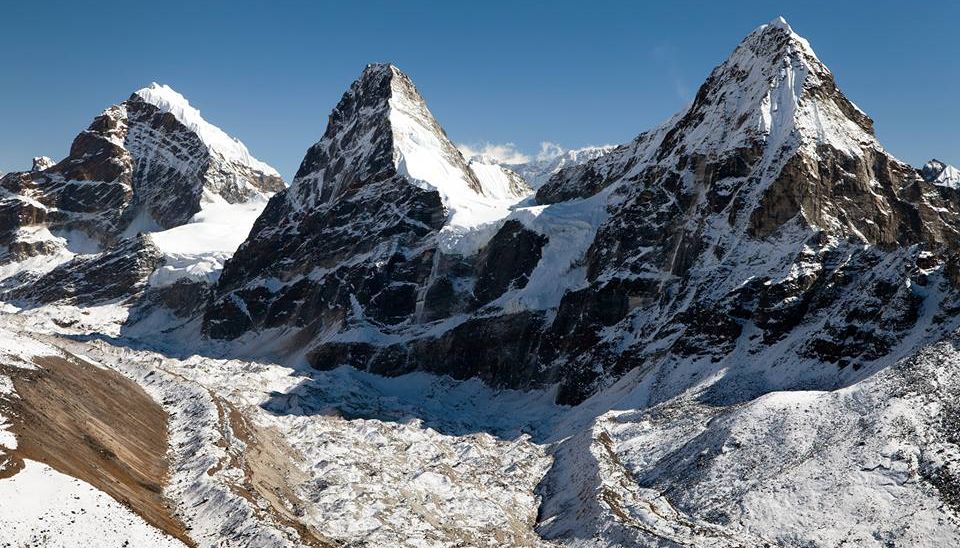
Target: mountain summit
(147, 163)
(942, 174)
(771, 166)
(371, 203)
(725, 219)
(381, 127)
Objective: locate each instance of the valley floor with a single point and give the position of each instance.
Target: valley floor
(218, 451)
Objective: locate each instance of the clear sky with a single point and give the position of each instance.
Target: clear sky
(573, 73)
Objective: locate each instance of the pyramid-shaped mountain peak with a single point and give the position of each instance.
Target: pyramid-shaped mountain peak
(774, 88)
(382, 127)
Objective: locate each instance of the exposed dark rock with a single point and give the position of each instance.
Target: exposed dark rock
(507, 261)
(136, 167)
(118, 273)
(732, 228)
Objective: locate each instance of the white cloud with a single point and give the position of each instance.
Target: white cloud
(549, 151)
(505, 153)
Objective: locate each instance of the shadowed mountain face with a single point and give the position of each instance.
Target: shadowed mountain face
(354, 245)
(764, 221)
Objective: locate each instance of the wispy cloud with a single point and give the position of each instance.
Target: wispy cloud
(549, 151)
(505, 153)
(666, 55)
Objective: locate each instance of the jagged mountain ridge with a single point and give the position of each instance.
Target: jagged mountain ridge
(939, 173)
(549, 161)
(552, 159)
(148, 163)
(771, 166)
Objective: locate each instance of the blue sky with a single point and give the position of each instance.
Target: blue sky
(573, 73)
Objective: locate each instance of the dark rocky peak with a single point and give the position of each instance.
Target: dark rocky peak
(164, 156)
(366, 236)
(182, 160)
(381, 127)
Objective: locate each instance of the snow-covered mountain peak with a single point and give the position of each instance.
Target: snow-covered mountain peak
(941, 173)
(552, 158)
(150, 163)
(773, 88)
(780, 22)
(382, 127)
(41, 163)
(169, 100)
(421, 148)
(770, 99)
(780, 25)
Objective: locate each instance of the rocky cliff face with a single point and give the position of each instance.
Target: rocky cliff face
(765, 220)
(353, 246)
(147, 163)
(117, 274)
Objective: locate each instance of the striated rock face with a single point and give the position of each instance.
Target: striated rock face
(115, 274)
(147, 163)
(361, 242)
(762, 227)
(766, 220)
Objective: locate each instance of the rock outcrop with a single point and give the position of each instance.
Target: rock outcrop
(116, 274)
